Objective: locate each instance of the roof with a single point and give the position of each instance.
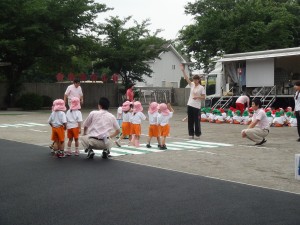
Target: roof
(261, 54)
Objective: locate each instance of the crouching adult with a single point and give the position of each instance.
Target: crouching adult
(99, 127)
(259, 127)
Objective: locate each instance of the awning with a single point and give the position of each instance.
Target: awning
(261, 55)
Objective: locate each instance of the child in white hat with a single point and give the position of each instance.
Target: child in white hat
(126, 124)
(153, 123)
(166, 112)
(74, 120)
(136, 121)
(58, 123)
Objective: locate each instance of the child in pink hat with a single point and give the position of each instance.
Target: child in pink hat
(74, 120)
(136, 121)
(166, 112)
(153, 125)
(58, 123)
(126, 125)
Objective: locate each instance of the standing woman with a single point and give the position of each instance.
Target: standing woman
(130, 93)
(297, 106)
(194, 104)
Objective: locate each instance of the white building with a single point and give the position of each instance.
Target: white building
(166, 70)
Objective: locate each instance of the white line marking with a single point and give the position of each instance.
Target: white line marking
(211, 143)
(41, 131)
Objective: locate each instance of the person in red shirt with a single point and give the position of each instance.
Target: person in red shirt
(129, 93)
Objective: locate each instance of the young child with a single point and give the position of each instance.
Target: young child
(166, 112)
(293, 121)
(229, 119)
(126, 125)
(245, 118)
(74, 120)
(270, 118)
(136, 120)
(219, 117)
(278, 120)
(237, 117)
(153, 125)
(120, 119)
(58, 122)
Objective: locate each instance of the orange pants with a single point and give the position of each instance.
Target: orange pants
(165, 130)
(58, 134)
(136, 129)
(153, 131)
(126, 128)
(73, 133)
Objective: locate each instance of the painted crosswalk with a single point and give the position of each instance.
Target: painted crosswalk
(172, 146)
(25, 124)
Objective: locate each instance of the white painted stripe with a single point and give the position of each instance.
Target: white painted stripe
(37, 124)
(23, 125)
(199, 151)
(178, 147)
(210, 143)
(127, 151)
(196, 145)
(41, 131)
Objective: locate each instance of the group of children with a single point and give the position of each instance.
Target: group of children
(60, 122)
(129, 116)
(132, 116)
(277, 118)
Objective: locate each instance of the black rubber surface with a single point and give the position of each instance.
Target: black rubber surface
(36, 188)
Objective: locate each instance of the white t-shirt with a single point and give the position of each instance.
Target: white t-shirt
(72, 91)
(164, 120)
(297, 101)
(119, 113)
(73, 118)
(196, 91)
(127, 116)
(137, 118)
(153, 118)
(57, 118)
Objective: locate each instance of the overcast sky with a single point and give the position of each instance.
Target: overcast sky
(163, 14)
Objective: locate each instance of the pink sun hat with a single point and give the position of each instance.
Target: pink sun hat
(153, 107)
(164, 109)
(126, 106)
(59, 105)
(75, 103)
(137, 107)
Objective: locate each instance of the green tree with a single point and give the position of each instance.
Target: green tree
(38, 33)
(234, 26)
(127, 49)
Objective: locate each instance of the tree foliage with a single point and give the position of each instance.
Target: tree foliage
(43, 33)
(235, 26)
(127, 49)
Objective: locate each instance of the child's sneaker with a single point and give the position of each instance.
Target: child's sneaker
(148, 146)
(61, 154)
(69, 153)
(163, 147)
(76, 152)
(158, 146)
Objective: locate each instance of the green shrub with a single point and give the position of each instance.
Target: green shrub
(30, 101)
(47, 101)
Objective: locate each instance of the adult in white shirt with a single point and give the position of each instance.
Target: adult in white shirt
(73, 90)
(99, 127)
(259, 127)
(241, 101)
(194, 104)
(297, 106)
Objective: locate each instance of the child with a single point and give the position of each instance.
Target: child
(126, 125)
(74, 119)
(245, 118)
(153, 125)
(120, 119)
(229, 119)
(136, 121)
(219, 117)
(58, 122)
(293, 121)
(270, 118)
(237, 119)
(278, 120)
(166, 112)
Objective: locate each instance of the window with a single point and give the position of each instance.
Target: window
(211, 85)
